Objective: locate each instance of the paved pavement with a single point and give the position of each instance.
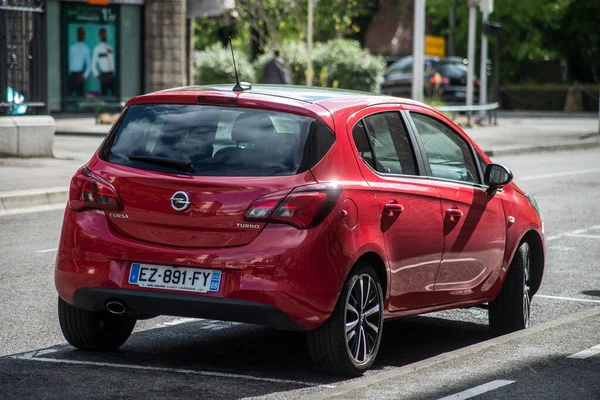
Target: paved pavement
(515, 135)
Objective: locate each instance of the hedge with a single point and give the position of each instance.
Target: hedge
(214, 65)
(549, 97)
(339, 63)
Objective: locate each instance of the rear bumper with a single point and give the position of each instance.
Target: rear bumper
(298, 273)
(138, 302)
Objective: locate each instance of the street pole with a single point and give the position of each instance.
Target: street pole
(309, 42)
(452, 34)
(418, 50)
(486, 9)
(471, 51)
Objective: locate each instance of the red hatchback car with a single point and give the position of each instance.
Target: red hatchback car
(302, 209)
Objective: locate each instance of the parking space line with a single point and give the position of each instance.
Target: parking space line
(573, 233)
(30, 210)
(179, 321)
(579, 235)
(32, 356)
(47, 250)
(476, 391)
(560, 174)
(567, 298)
(587, 353)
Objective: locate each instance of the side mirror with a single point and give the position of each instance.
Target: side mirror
(496, 175)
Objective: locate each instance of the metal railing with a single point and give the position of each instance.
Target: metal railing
(491, 109)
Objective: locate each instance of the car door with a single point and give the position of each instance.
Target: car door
(474, 222)
(409, 205)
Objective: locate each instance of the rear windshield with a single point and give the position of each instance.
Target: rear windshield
(217, 141)
(452, 70)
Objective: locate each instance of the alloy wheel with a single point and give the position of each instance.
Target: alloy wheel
(363, 319)
(526, 291)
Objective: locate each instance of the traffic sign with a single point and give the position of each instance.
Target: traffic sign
(435, 46)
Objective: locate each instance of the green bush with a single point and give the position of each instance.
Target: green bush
(342, 63)
(214, 65)
(294, 54)
(338, 63)
(547, 97)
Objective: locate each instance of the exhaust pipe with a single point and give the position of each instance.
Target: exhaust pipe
(115, 307)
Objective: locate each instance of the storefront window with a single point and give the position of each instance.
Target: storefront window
(91, 59)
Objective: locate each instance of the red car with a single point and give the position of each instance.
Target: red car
(303, 209)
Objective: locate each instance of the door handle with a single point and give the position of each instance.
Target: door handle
(454, 213)
(393, 207)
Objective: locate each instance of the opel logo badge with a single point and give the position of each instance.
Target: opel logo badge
(180, 201)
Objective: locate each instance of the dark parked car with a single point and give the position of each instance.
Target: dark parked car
(444, 78)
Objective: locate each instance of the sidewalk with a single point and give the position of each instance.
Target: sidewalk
(78, 138)
(523, 135)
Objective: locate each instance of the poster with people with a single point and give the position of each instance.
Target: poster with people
(91, 62)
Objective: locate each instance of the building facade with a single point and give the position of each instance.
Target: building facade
(71, 56)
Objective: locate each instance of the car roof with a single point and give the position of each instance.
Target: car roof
(330, 99)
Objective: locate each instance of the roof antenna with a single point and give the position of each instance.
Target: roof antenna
(237, 87)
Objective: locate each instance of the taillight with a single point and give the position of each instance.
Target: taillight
(305, 207)
(438, 79)
(89, 190)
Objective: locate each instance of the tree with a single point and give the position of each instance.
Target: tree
(579, 40)
(526, 29)
(271, 23)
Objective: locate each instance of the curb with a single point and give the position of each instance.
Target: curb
(14, 201)
(377, 377)
(556, 146)
(87, 134)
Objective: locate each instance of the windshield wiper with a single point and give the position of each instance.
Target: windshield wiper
(165, 162)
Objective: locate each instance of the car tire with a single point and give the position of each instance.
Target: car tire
(348, 342)
(95, 331)
(511, 310)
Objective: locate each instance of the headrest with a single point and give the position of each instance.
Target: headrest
(360, 138)
(252, 127)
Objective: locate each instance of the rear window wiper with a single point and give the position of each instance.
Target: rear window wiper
(165, 162)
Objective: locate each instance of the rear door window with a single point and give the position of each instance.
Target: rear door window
(383, 143)
(217, 141)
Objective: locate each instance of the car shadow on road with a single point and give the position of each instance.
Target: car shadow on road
(412, 339)
(244, 349)
(221, 355)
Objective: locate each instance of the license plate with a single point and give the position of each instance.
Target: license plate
(461, 94)
(175, 278)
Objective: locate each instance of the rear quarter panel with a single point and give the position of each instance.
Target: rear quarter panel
(360, 231)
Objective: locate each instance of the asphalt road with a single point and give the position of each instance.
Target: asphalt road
(427, 357)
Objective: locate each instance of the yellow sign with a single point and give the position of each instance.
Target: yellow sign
(435, 46)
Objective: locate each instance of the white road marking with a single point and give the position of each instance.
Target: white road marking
(208, 325)
(30, 210)
(567, 298)
(559, 174)
(476, 391)
(179, 321)
(46, 251)
(32, 357)
(44, 351)
(575, 232)
(592, 351)
(579, 235)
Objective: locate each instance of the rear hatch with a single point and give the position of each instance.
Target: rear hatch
(187, 174)
(455, 72)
